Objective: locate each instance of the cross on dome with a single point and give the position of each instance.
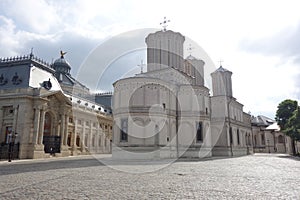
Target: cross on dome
(220, 61)
(164, 23)
(190, 49)
(141, 65)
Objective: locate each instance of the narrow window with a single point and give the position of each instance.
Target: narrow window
(238, 136)
(199, 135)
(124, 129)
(263, 139)
(230, 135)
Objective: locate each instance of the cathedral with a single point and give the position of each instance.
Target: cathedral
(44, 111)
(168, 112)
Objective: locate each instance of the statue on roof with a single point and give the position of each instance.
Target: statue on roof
(62, 54)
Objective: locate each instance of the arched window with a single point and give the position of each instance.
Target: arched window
(47, 124)
(280, 139)
(77, 140)
(199, 135)
(69, 139)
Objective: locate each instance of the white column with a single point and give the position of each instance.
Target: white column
(37, 115)
(75, 132)
(41, 127)
(66, 130)
(62, 129)
(83, 135)
(1, 121)
(14, 128)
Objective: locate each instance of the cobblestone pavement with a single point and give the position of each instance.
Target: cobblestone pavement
(259, 176)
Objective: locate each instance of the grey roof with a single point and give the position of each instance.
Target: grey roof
(190, 57)
(61, 62)
(221, 69)
(261, 120)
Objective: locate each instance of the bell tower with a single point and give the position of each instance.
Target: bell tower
(165, 49)
(221, 82)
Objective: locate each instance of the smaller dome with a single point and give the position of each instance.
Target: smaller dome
(190, 57)
(221, 69)
(61, 62)
(61, 65)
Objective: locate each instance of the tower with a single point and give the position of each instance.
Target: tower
(221, 82)
(195, 68)
(164, 49)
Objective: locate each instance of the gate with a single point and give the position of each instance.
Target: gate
(52, 144)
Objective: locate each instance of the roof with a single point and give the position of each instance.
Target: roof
(190, 57)
(61, 62)
(261, 120)
(221, 69)
(39, 76)
(273, 127)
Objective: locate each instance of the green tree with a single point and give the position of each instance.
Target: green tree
(293, 125)
(287, 117)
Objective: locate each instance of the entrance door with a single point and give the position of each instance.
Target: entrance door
(51, 142)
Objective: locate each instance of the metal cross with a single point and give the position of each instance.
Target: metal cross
(220, 61)
(141, 65)
(190, 49)
(164, 24)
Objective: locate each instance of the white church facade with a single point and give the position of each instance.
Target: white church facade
(168, 112)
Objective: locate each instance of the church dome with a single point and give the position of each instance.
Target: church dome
(221, 69)
(61, 65)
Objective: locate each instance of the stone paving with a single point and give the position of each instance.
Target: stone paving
(260, 176)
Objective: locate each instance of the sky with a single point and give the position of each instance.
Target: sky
(257, 40)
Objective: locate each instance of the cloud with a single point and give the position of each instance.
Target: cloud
(32, 15)
(285, 44)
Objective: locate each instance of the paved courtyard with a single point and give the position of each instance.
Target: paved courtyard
(259, 176)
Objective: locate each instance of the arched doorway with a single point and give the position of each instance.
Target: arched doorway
(50, 140)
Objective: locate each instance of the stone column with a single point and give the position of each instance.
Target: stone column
(83, 137)
(74, 136)
(75, 133)
(37, 115)
(90, 136)
(41, 127)
(1, 121)
(66, 130)
(14, 128)
(62, 129)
